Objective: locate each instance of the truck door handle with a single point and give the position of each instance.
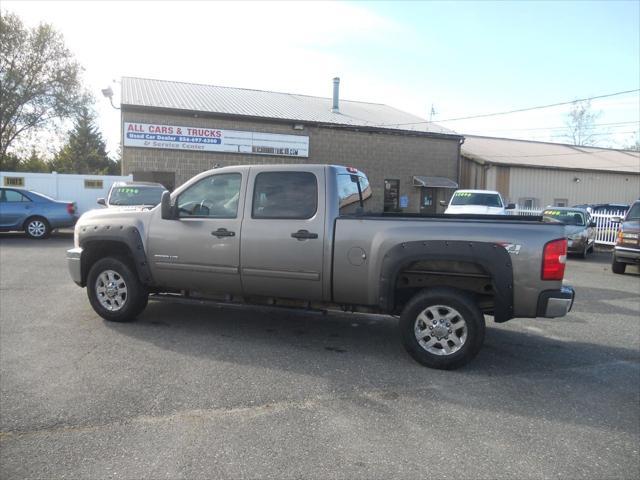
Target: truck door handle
(304, 234)
(223, 232)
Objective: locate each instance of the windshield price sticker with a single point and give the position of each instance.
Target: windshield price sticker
(552, 213)
(463, 194)
(128, 190)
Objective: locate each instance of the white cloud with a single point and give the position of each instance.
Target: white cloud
(282, 46)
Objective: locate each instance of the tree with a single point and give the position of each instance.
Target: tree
(85, 150)
(39, 79)
(33, 163)
(9, 163)
(580, 124)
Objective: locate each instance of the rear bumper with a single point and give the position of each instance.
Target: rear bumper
(63, 222)
(576, 246)
(555, 303)
(627, 255)
(74, 265)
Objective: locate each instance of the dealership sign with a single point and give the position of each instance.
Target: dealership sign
(214, 140)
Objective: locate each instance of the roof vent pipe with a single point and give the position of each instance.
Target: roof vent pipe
(336, 95)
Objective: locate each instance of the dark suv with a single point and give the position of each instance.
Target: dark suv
(627, 249)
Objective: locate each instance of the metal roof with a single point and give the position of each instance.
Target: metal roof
(433, 182)
(144, 92)
(528, 153)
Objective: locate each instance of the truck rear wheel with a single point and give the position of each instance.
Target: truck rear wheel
(442, 328)
(617, 267)
(114, 290)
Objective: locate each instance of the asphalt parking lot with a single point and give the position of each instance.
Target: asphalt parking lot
(227, 392)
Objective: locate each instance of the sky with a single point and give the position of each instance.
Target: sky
(459, 58)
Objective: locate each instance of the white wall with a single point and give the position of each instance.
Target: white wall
(546, 185)
(62, 186)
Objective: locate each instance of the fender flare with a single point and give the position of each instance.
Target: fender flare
(492, 257)
(129, 236)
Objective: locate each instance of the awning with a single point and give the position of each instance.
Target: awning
(433, 182)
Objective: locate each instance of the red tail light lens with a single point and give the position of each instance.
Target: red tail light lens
(554, 259)
(71, 208)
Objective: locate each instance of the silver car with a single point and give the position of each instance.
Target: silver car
(35, 213)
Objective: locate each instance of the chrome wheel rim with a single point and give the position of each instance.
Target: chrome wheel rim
(440, 330)
(111, 290)
(36, 228)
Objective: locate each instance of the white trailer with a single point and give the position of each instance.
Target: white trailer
(82, 189)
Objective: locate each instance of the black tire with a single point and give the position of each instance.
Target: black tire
(134, 301)
(451, 299)
(584, 252)
(37, 228)
(618, 267)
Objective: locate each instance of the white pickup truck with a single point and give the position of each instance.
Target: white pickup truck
(477, 202)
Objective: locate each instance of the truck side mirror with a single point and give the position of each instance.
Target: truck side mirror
(443, 203)
(102, 201)
(511, 206)
(166, 210)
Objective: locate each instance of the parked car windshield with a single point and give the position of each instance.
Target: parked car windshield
(475, 198)
(568, 217)
(634, 213)
(130, 195)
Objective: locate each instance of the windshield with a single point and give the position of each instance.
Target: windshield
(135, 195)
(568, 217)
(475, 198)
(634, 212)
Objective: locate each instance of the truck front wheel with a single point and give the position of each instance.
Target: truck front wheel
(442, 328)
(114, 290)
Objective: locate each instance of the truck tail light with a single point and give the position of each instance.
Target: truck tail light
(71, 208)
(554, 259)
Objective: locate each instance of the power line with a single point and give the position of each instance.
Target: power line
(484, 115)
(557, 128)
(595, 134)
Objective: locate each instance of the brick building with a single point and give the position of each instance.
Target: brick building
(173, 131)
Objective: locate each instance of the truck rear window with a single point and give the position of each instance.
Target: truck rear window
(349, 193)
(286, 195)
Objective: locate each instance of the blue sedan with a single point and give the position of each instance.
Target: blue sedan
(34, 212)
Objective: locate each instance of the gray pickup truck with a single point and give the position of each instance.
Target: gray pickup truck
(299, 235)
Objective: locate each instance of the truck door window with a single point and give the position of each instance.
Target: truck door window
(286, 195)
(215, 196)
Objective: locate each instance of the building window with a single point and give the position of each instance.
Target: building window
(391, 195)
(14, 181)
(560, 202)
(527, 203)
(290, 195)
(93, 184)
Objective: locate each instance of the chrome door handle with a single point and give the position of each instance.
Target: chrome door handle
(304, 234)
(223, 232)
